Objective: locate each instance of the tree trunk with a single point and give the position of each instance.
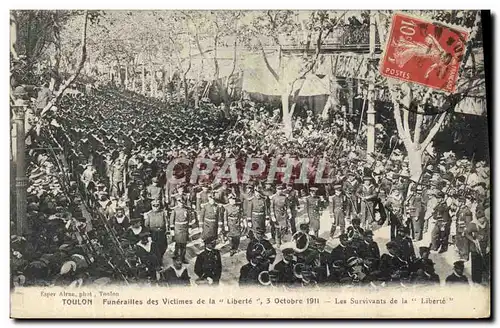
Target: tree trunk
(164, 84)
(287, 118)
(77, 72)
(143, 78)
(186, 91)
(197, 95)
(126, 77)
(152, 86)
(415, 163)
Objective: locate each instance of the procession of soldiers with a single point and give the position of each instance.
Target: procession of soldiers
(110, 214)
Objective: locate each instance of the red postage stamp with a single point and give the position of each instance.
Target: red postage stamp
(424, 52)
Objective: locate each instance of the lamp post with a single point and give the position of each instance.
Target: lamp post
(19, 110)
(370, 114)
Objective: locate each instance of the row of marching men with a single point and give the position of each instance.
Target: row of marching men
(240, 216)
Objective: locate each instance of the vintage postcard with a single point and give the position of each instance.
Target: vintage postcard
(250, 164)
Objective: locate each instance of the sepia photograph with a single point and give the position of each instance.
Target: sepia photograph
(250, 163)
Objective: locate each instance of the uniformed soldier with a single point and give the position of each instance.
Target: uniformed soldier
(179, 226)
(147, 250)
(355, 233)
(394, 206)
(313, 206)
(293, 202)
(210, 219)
(201, 199)
(350, 185)
(132, 233)
(233, 223)
(208, 264)
(369, 249)
(417, 212)
(119, 222)
(249, 273)
(285, 268)
(175, 275)
(261, 243)
(464, 218)
(156, 221)
(155, 191)
(246, 200)
(419, 263)
(457, 277)
(392, 267)
(337, 207)
(221, 194)
(259, 208)
(405, 244)
(478, 234)
(425, 274)
(280, 214)
(342, 251)
(441, 230)
(367, 195)
(324, 262)
(181, 193)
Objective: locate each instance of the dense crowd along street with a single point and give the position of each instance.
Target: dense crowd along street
(276, 148)
(103, 210)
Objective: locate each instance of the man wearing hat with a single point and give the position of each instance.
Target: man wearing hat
(249, 273)
(259, 209)
(146, 250)
(425, 274)
(369, 248)
(202, 196)
(367, 194)
(179, 226)
(285, 268)
(280, 214)
(133, 231)
(441, 231)
(394, 205)
(293, 202)
(478, 234)
(323, 261)
(416, 212)
(343, 250)
(463, 219)
(233, 222)
(156, 221)
(208, 265)
(392, 267)
(457, 277)
(405, 244)
(246, 197)
(210, 219)
(337, 207)
(313, 206)
(424, 253)
(175, 275)
(262, 244)
(119, 222)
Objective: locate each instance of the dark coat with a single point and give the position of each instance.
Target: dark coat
(208, 264)
(169, 277)
(249, 275)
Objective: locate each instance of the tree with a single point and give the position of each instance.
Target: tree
(211, 30)
(279, 28)
(83, 56)
(424, 108)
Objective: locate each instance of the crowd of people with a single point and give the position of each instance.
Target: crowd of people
(102, 209)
